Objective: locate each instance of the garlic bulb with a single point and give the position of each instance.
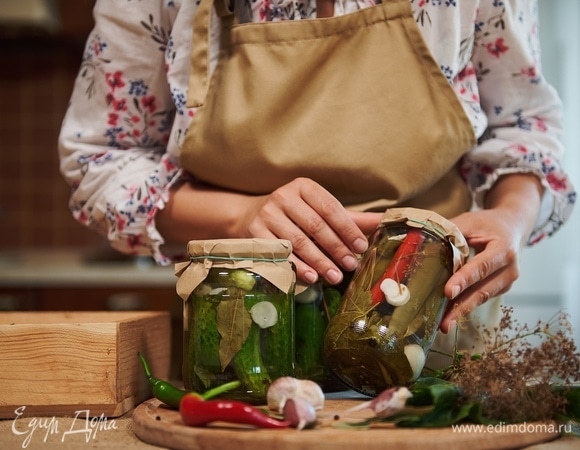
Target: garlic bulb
(285, 388)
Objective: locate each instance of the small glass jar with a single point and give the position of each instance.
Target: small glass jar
(238, 315)
(393, 306)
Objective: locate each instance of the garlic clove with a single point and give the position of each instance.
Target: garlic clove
(264, 314)
(396, 294)
(310, 295)
(217, 291)
(387, 403)
(390, 401)
(416, 357)
(299, 412)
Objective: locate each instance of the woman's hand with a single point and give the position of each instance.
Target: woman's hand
(496, 235)
(325, 236)
(493, 269)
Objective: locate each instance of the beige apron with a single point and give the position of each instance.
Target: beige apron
(355, 102)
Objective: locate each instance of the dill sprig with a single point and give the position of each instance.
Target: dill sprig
(515, 376)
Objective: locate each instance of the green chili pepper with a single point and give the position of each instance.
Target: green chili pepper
(171, 395)
(162, 390)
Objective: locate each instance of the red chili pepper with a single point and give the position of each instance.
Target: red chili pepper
(195, 412)
(400, 263)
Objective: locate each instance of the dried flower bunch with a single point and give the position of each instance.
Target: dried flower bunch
(516, 379)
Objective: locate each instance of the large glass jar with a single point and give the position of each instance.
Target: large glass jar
(393, 306)
(238, 315)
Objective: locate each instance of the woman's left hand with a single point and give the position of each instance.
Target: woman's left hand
(496, 235)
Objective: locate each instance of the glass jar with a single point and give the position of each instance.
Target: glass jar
(393, 306)
(314, 307)
(238, 315)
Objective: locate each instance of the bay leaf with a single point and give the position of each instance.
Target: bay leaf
(233, 324)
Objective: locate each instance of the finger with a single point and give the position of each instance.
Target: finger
(313, 256)
(471, 299)
(338, 220)
(483, 265)
(366, 221)
(304, 271)
(308, 223)
(488, 274)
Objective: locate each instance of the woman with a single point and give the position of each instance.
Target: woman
(132, 159)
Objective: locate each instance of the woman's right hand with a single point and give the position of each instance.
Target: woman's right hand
(325, 236)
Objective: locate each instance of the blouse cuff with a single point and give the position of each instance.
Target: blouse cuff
(164, 253)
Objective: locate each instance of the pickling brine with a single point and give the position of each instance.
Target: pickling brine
(392, 309)
(237, 332)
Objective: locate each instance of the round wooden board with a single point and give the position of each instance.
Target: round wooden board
(158, 425)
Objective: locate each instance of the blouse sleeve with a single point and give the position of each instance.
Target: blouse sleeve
(523, 111)
(113, 140)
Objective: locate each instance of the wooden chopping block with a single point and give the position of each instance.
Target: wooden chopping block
(59, 363)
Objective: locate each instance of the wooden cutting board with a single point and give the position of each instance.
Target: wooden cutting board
(158, 425)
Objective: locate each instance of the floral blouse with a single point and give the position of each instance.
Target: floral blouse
(120, 140)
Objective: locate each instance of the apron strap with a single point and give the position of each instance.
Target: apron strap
(199, 75)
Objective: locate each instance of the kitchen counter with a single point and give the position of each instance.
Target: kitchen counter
(70, 268)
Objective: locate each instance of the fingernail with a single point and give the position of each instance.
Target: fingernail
(349, 263)
(311, 277)
(360, 245)
(334, 276)
(455, 292)
(452, 325)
